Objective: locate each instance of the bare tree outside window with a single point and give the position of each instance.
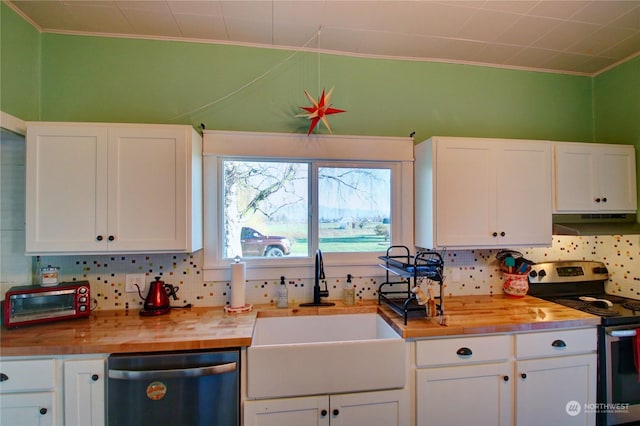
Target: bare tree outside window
(270, 198)
(267, 208)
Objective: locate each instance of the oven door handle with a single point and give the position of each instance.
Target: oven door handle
(622, 333)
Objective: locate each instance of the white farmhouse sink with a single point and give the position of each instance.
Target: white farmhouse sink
(323, 354)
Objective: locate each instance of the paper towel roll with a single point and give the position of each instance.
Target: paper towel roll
(237, 284)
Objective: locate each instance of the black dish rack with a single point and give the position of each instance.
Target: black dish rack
(401, 269)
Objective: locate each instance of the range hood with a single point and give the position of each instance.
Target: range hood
(596, 224)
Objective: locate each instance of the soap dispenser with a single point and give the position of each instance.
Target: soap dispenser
(283, 295)
(349, 293)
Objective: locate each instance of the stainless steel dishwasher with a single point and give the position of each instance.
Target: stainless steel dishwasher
(178, 388)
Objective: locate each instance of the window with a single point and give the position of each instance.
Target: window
(266, 208)
(273, 199)
(354, 209)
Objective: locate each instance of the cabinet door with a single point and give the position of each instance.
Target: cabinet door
(465, 192)
(84, 395)
(66, 178)
(554, 391)
(575, 174)
(384, 408)
(148, 188)
(617, 179)
(305, 411)
(588, 174)
(493, 193)
(28, 409)
(467, 395)
(524, 193)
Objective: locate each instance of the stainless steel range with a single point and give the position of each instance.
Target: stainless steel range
(581, 285)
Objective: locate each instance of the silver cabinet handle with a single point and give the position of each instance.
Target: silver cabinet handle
(177, 373)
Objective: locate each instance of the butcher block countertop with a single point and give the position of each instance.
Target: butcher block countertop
(120, 331)
(211, 328)
(491, 314)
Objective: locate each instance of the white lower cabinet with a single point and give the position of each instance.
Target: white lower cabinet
(28, 392)
(61, 390)
(380, 408)
(553, 391)
(539, 378)
(555, 376)
(28, 409)
(84, 392)
(465, 395)
(465, 380)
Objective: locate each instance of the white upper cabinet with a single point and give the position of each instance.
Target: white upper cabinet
(118, 188)
(475, 193)
(598, 178)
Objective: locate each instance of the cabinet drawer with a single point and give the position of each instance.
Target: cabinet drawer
(462, 350)
(19, 376)
(554, 343)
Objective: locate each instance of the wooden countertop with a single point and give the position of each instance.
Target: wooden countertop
(120, 331)
(211, 328)
(491, 314)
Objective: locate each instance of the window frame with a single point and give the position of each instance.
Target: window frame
(319, 151)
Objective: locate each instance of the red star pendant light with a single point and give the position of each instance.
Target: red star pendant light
(319, 110)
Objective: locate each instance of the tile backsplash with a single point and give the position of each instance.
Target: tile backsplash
(467, 272)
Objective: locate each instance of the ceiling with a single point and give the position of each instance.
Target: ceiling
(574, 36)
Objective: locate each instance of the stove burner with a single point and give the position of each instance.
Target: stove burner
(601, 312)
(633, 305)
(571, 303)
(588, 307)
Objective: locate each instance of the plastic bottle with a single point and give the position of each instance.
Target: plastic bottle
(283, 295)
(349, 293)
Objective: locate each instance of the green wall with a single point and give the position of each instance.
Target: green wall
(83, 78)
(131, 80)
(616, 100)
(19, 66)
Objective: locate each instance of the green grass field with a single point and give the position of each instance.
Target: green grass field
(335, 237)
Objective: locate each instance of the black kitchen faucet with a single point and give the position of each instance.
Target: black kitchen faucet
(317, 291)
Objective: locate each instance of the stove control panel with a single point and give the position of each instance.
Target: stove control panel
(568, 271)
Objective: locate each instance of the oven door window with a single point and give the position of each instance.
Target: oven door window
(40, 305)
(625, 387)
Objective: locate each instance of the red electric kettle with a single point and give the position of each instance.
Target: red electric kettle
(157, 300)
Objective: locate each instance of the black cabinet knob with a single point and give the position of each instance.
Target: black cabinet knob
(111, 238)
(95, 377)
(495, 234)
(464, 352)
(542, 273)
(505, 378)
(597, 200)
(523, 375)
(604, 199)
(558, 343)
(43, 411)
(99, 238)
(323, 413)
(3, 377)
(533, 274)
(502, 234)
(336, 411)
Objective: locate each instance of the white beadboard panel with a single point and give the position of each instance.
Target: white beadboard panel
(15, 267)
